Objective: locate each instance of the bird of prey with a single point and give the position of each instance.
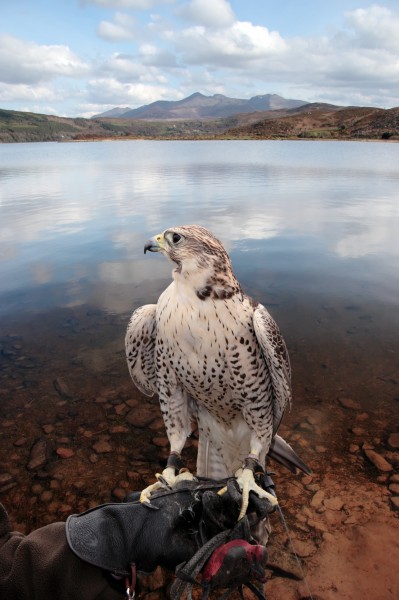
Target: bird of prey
(214, 355)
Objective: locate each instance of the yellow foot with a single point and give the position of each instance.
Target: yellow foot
(166, 479)
(246, 481)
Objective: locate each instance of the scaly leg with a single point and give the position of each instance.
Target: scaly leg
(172, 474)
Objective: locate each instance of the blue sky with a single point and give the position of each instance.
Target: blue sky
(82, 57)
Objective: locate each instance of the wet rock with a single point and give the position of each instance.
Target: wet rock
(46, 496)
(394, 488)
(335, 503)
(62, 388)
(321, 449)
(65, 452)
(161, 442)
(102, 447)
(362, 416)
(119, 429)
(20, 442)
(37, 488)
(358, 431)
(48, 428)
(119, 493)
(141, 416)
(378, 460)
(120, 409)
(38, 455)
(312, 487)
(6, 482)
(349, 403)
(395, 502)
(393, 441)
(157, 425)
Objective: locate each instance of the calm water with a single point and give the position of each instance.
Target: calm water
(312, 229)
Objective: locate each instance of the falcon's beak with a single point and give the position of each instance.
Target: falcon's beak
(155, 244)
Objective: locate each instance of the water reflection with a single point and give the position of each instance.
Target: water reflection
(76, 215)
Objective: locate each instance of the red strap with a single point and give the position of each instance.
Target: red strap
(131, 582)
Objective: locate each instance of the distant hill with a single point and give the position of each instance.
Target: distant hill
(313, 121)
(198, 106)
(322, 121)
(114, 112)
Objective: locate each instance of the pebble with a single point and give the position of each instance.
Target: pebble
(48, 428)
(393, 441)
(395, 502)
(20, 442)
(46, 496)
(378, 460)
(6, 482)
(119, 429)
(141, 416)
(362, 416)
(394, 488)
(161, 442)
(65, 452)
(62, 388)
(102, 447)
(119, 493)
(37, 488)
(349, 403)
(38, 455)
(358, 431)
(317, 499)
(353, 448)
(395, 478)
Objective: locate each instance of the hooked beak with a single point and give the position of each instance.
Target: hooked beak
(155, 244)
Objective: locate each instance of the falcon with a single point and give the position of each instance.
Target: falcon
(214, 355)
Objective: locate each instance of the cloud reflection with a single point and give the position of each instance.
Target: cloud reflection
(80, 214)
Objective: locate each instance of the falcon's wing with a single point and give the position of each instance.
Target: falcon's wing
(140, 346)
(276, 356)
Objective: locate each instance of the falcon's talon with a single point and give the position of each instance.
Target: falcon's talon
(246, 481)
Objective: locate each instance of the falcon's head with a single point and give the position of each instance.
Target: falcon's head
(200, 258)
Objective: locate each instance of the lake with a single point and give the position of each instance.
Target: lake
(313, 232)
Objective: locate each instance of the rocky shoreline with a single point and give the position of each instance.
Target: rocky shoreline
(69, 442)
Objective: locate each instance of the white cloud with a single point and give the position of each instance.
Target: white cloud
(376, 27)
(118, 30)
(112, 92)
(209, 13)
(238, 46)
(23, 92)
(27, 62)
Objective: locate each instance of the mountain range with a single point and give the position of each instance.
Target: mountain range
(199, 106)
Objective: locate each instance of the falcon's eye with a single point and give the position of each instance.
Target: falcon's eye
(176, 238)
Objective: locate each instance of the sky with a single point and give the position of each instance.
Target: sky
(78, 58)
